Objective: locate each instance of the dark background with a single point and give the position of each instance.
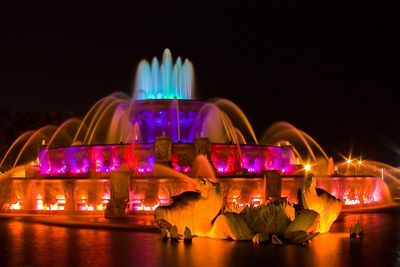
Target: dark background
(329, 68)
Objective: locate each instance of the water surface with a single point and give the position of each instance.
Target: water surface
(34, 244)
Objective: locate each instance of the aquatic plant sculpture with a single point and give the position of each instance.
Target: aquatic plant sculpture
(279, 221)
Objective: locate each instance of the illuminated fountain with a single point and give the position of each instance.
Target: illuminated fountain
(158, 134)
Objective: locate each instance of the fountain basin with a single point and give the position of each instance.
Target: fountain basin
(90, 194)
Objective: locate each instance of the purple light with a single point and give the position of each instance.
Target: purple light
(178, 168)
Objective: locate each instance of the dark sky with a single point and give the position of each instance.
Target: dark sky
(327, 67)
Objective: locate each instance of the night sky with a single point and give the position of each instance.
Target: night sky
(327, 67)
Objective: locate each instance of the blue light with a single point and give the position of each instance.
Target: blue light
(165, 81)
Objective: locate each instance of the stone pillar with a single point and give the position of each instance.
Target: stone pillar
(163, 151)
(70, 196)
(119, 194)
(272, 185)
(202, 146)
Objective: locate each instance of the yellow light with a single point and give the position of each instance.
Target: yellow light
(16, 206)
(348, 161)
(307, 167)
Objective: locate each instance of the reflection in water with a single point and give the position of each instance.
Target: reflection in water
(30, 244)
(329, 248)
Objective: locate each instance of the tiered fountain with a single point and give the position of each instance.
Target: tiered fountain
(68, 167)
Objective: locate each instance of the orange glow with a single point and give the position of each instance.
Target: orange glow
(103, 204)
(58, 205)
(307, 167)
(235, 203)
(39, 202)
(327, 245)
(139, 206)
(84, 206)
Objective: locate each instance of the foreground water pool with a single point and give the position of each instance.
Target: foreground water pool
(35, 244)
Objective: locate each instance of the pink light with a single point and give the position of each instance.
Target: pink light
(149, 169)
(377, 195)
(136, 201)
(62, 169)
(222, 169)
(99, 164)
(163, 201)
(143, 169)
